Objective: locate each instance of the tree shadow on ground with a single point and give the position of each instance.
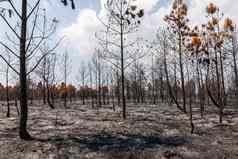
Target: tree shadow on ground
(119, 142)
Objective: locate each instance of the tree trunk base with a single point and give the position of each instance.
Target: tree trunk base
(192, 128)
(24, 135)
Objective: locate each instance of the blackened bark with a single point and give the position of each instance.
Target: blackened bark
(118, 90)
(181, 72)
(50, 103)
(234, 52)
(18, 113)
(7, 93)
(122, 75)
(23, 133)
(44, 83)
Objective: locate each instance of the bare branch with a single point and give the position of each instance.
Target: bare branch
(107, 26)
(11, 40)
(107, 42)
(115, 65)
(9, 65)
(36, 65)
(33, 30)
(5, 20)
(11, 51)
(134, 61)
(14, 8)
(32, 11)
(38, 45)
(44, 55)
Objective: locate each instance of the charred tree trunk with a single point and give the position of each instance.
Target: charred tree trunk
(161, 85)
(218, 87)
(23, 133)
(99, 84)
(44, 83)
(199, 86)
(48, 96)
(175, 81)
(234, 52)
(190, 103)
(217, 102)
(18, 113)
(7, 93)
(169, 85)
(182, 72)
(122, 74)
(91, 85)
(118, 90)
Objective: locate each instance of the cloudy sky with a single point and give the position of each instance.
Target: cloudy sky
(79, 26)
(82, 25)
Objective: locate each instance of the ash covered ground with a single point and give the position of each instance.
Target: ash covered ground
(149, 132)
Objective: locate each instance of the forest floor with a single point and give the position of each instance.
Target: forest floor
(149, 132)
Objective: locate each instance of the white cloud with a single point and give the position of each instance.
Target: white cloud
(81, 32)
(146, 4)
(197, 9)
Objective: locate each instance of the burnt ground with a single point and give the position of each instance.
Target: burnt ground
(149, 132)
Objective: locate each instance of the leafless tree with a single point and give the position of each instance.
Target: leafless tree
(5, 71)
(234, 56)
(83, 74)
(98, 65)
(123, 19)
(66, 64)
(90, 71)
(46, 71)
(28, 48)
